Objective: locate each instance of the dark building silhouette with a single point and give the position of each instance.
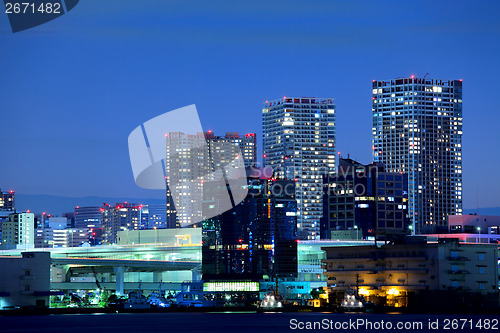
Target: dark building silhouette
(258, 236)
(365, 198)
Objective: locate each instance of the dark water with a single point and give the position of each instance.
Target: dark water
(241, 322)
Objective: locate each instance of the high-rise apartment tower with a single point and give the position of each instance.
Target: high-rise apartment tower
(299, 144)
(417, 130)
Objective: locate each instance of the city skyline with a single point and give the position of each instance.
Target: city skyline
(75, 146)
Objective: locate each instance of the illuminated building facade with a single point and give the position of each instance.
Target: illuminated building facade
(395, 274)
(7, 207)
(366, 200)
(226, 147)
(88, 217)
(121, 216)
(417, 130)
(186, 163)
(19, 231)
(7, 201)
(299, 144)
(157, 216)
(258, 236)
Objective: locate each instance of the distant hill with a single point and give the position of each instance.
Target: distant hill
(57, 205)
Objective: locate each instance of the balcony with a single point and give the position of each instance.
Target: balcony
(460, 258)
(458, 272)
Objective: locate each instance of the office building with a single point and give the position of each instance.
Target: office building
(258, 236)
(71, 219)
(157, 216)
(194, 157)
(118, 217)
(88, 217)
(19, 231)
(44, 238)
(7, 201)
(365, 200)
(71, 237)
(299, 144)
(7, 207)
(417, 130)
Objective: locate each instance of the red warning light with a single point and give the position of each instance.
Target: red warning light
(240, 240)
(13, 191)
(413, 76)
(265, 155)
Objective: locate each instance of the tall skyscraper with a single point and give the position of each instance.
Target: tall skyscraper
(299, 144)
(417, 130)
(186, 163)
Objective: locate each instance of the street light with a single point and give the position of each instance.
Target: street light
(411, 229)
(479, 234)
(356, 228)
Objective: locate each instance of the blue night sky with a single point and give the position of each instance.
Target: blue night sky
(73, 89)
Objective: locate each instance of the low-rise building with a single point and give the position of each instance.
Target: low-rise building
(25, 281)
(392, 274)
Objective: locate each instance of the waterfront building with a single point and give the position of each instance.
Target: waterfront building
(25, 281)
(393, 274)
